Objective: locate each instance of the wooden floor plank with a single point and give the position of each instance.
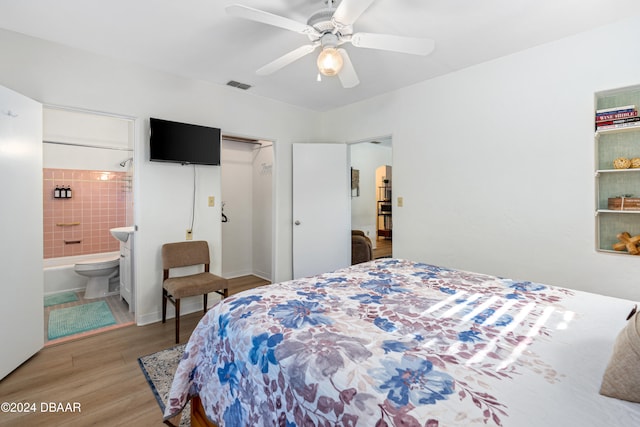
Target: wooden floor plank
(384, 248)
(100, 372)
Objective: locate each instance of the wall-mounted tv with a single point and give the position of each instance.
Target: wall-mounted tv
(184, 143)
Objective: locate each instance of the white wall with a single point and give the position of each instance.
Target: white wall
(262, 221)
(495, 162)
(62, 76)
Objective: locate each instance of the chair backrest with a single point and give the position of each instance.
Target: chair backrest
(184, 254)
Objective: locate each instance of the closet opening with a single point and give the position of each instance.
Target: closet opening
(247, 207)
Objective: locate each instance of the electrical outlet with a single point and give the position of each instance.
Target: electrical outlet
(189, 235)
(212, 201)
(400, 202)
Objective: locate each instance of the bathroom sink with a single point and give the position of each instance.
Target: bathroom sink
(122, 233)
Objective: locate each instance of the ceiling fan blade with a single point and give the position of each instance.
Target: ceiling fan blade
(286, 59)
(347, 75)
(240, 11)
(411, 45)
(349, 11)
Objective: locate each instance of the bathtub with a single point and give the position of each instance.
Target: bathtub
(59, 275)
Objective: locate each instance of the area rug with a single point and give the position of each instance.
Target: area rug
(79, 318)
(61, 298)
(159, 368)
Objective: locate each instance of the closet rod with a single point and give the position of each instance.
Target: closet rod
(240, 139)
(75, 144)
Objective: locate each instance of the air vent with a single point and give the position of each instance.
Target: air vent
(239, 85)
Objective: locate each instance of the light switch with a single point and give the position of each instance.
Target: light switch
(212, 201)
(400, 202)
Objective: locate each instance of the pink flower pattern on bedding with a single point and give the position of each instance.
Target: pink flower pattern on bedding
(385, 343)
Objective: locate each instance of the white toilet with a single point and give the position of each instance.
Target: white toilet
(99, 272)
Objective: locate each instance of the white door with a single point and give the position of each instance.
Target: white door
(321, 208)
(21, 306)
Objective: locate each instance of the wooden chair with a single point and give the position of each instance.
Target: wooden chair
(185, 254)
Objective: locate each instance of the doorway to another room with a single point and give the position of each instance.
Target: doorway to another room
(371, 193)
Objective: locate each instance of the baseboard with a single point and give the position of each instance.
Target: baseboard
(236, 274)
(263, 276)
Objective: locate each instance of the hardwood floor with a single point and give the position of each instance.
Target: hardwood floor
(100, 374)
(383, 248)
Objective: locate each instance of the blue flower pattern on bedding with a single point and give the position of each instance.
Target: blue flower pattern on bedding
(470, 336)
(367, 298)
(294, 314)
(375, 344)
(413, 380)
(229, 374)
(234, 415)
(262, 352)
(244, 301)
(384, 324)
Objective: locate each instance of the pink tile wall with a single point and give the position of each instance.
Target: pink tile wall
(99, 203)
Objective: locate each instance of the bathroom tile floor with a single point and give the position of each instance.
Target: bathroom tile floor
(119, 309)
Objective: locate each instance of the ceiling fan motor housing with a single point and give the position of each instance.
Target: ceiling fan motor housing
(322, 21)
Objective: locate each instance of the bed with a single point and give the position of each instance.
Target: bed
(398, 343)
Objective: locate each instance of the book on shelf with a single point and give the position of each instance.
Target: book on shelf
(616, 116)
(613, 110)
(616, 122)
(618, 126)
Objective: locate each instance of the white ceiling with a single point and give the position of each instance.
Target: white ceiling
(196, 39)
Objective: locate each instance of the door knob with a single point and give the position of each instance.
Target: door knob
(297, 222)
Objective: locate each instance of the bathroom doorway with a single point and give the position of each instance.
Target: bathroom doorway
(88, 175)
(371, 203)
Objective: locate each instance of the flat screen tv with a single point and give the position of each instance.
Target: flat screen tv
(184, 143)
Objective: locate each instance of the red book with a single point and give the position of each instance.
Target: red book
(616, 116)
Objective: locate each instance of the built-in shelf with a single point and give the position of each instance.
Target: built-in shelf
(635, 170)
(620, 130)
(599, 211)
(611, 144)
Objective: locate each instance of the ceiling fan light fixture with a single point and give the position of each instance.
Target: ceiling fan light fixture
(329, 61)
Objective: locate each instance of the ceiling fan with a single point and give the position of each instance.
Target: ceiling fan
(329, 29)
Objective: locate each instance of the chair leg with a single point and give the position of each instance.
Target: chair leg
(177, 320)
(164, 305)
(205, 303)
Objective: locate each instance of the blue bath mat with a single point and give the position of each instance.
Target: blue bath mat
(80, 318)
(61, 298)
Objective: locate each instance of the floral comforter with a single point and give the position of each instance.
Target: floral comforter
(398, 343)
